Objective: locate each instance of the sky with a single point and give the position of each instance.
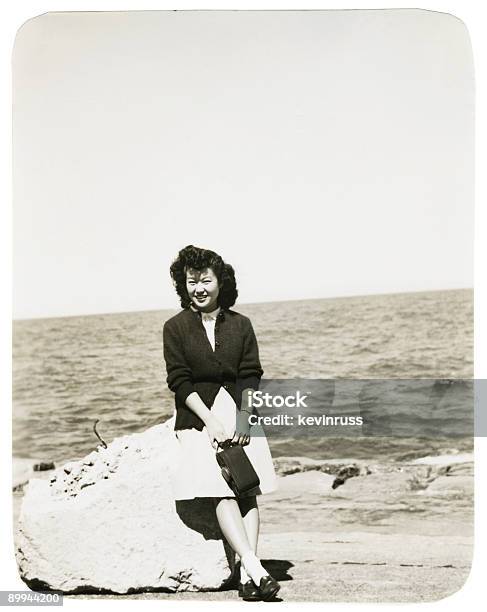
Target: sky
(321, 153)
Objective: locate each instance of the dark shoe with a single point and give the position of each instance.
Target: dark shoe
(249, 592)
(268, 587)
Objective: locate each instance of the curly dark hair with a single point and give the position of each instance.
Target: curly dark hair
(199, 259)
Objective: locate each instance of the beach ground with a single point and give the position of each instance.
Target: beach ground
(359, 543)
(351, 567)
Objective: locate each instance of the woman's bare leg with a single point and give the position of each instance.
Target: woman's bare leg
(233, 528)
(250, 515)
(232, 524)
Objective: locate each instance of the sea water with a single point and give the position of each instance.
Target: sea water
(68, 372)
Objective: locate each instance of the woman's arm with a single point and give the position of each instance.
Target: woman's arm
(250, 371)
(214, 427)
(249, 374)
(198, 406)
(179, 376)
(180, 381)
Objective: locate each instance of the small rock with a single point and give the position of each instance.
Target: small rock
(42, 466)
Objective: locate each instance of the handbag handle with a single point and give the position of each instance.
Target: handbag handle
(225, 444)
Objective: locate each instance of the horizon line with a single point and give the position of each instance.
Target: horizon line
(336, 297)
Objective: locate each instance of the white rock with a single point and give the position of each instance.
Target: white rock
(123, 532)
(444, 459)
(23, 470)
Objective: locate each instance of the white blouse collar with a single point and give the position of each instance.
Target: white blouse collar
(207, 316)
(210, 316)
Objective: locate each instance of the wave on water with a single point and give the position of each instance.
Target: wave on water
(69, 372)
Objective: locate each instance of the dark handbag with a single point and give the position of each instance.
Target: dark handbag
(236, 468)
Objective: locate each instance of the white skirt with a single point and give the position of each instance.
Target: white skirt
(195, 471)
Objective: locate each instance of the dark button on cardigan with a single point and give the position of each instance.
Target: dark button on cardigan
(192, 365)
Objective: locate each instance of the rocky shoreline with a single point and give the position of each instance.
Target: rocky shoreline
(335, 530)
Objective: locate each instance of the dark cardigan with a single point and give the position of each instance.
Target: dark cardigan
(192, 365)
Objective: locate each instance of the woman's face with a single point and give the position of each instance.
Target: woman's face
(203, 289)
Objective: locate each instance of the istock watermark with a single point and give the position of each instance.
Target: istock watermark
(257, 399)
(305, 421)
(367, 407)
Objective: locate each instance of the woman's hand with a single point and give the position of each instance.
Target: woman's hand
(242, 431)
(215, 431)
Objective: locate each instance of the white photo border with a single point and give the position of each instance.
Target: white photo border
(14, 14)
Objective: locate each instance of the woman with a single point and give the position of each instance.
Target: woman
(212, 359)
